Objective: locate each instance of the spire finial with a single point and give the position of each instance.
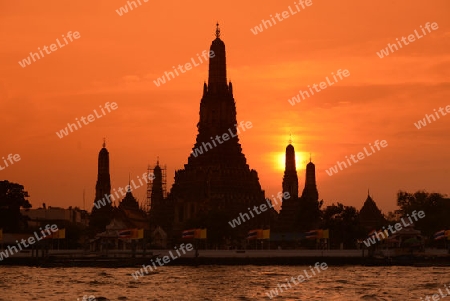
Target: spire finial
(290, 138)
(309, 157)
(104, 142)
(157, 160)
(217, 30)
(368, 192)
(129, 182)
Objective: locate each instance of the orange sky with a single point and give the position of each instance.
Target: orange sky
(117, 58)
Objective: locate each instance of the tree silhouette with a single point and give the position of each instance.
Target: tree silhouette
(434, 205)
(344, 225)
(12, 198)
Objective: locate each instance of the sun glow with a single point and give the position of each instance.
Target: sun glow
(300, 160)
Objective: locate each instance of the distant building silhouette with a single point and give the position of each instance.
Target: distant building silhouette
(42, 216)
(130, 213)
(161, 211)
(298, 213)
(290, 179)
(100, 217)
(370, 216)
(310, 192)
(290, 207)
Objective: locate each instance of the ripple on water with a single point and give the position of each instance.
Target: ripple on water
(221, 283)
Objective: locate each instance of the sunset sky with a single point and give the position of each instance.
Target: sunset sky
(116, 59)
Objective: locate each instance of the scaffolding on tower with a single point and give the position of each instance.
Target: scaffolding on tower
(148, 205)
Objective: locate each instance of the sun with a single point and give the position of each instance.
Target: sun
(280, 160)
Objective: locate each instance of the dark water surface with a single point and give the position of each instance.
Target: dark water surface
(222, 283)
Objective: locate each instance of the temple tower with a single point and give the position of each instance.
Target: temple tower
(290, 179)
(290, 206)
(217, 177)
(370, 215)
(102, 213)
(103, 185)
(161, 212)
(310, 192)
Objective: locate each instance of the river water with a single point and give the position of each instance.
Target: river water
(222, 283)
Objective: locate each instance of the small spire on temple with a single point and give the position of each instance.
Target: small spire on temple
(104, 142)
(309, 157)
(290, 138)
(217, 31)
(157, 161)
(129, 182)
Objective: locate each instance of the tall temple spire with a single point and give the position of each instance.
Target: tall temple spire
(290, 206)
(101, 214)
(290, 179)
(310, 191)
(216, 177)
(218, 114)
(217, 63)
(217, 31)
(103, 179)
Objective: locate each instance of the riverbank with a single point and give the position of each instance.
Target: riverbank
(77, 258)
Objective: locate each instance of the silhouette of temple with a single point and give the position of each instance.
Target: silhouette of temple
(129, 214)
(290, 206)
(100, 217)
(310, 192)
(298, 213)
(161, 210)
(219, 180)
(370, 216)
